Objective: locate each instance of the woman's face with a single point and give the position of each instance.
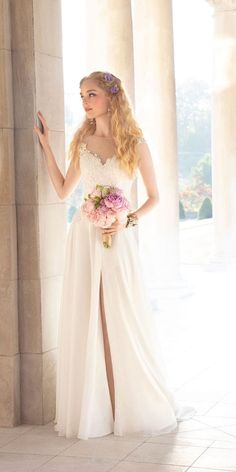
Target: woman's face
(95, 101)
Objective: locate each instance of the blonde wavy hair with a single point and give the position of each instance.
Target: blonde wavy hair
(124, 128)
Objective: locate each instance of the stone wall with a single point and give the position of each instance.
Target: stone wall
(32, 217)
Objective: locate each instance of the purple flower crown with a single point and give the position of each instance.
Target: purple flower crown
(109, 78)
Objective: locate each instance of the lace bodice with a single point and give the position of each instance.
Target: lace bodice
(95, 171)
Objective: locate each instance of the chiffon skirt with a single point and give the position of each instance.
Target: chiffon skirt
(144, 404)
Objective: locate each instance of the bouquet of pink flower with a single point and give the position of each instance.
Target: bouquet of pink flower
(103, 206)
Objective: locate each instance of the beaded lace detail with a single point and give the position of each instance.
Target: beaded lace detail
(103, 161)
(95, 170)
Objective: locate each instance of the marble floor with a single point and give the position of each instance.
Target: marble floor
(197, 334)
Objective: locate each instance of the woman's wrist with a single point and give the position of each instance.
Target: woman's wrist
(134, 213)
(46, 147)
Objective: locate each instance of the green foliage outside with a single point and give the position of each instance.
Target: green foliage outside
(205, 210)
(182, 215)
(194, 143)
(201, 173)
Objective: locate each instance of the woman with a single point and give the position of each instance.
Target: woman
(109, 375)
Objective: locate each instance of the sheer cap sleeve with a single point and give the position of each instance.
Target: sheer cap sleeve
(141, 140)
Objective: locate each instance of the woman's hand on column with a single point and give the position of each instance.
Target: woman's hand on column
(43, 136)
(63, 185)
(55, 174)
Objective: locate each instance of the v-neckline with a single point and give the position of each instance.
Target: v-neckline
(97, 156)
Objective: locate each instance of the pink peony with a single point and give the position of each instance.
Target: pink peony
(104, 205)
(88, 206)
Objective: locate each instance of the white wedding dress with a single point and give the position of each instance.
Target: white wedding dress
(144, 405)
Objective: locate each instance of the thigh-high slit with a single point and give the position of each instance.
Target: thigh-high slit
(107, 351)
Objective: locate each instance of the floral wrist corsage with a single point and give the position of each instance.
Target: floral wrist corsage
(132, 220)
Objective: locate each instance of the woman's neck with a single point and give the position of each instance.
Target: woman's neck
(102, 136)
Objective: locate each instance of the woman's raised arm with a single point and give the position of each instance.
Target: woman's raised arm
(63, 185)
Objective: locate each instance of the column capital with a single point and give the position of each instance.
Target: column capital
(223, 5)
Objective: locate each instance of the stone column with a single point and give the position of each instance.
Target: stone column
(41, 216)
(9, 345)
(224, 130)
(156, 110)
(109, 46)
(109, 42)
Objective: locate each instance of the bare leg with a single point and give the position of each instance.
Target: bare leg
(107, 351)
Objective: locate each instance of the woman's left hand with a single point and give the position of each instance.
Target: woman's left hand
(116, 226)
